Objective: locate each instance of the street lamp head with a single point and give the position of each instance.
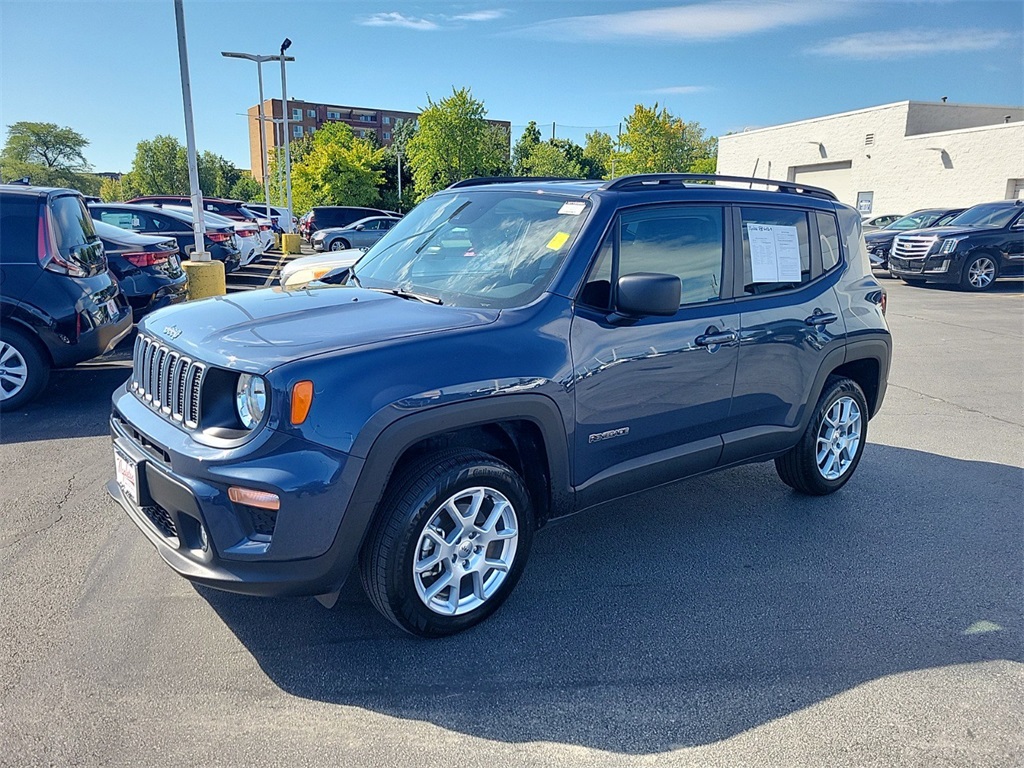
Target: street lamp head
(285, 45)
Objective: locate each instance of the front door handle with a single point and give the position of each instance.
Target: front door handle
(713, 338)
(821, 318)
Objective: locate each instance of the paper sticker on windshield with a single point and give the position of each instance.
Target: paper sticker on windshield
(573, 207)
(560, 239)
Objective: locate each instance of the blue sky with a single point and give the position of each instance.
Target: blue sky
(110, 69)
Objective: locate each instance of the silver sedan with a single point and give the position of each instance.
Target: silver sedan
(361, 234)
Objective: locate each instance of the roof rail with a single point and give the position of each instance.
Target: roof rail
(482, 180)
(658, 179)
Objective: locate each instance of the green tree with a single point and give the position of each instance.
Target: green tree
(49, 155)
(336, 169)
(217, 175)
(597, 155)
(401, 132)
(455, 142)
(659, 142)
(524, 148)
(112, 191)
(557, 157)
(160, 167)
(247, 189)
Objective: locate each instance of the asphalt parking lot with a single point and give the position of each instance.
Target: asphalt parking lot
(722, 621)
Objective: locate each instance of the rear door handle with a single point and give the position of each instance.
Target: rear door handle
(716, 338)
(821, 318)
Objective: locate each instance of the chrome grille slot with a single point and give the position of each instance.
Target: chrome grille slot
(912, 246)
(167, 381)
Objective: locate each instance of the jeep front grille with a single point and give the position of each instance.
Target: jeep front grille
(912, 246)
(167, 381)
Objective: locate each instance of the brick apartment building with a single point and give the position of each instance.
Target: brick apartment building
(305, 117)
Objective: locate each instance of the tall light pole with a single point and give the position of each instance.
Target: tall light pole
(287, 142)
(260, 59)
(198, 230)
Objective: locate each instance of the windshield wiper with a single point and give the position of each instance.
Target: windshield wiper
(404, 294)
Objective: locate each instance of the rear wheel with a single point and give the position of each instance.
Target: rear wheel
(980, 273)
(831, 446)
(451, 542)
(23, 369)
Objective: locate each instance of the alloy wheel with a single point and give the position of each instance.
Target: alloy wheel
(465, 551)
(13, 371)
(838, 438)
(981, 272)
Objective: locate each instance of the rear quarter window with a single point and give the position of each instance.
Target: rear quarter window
(19, 229)
(72, 224)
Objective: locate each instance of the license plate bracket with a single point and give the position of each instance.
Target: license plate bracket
(127, 472)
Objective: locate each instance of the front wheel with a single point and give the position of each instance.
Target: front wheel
(979, 273)
(451, 542)
(831, 446)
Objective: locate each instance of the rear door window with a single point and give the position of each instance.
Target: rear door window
(19, 229)
(776, 249)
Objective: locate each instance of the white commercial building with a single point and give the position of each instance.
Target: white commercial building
(893, 158)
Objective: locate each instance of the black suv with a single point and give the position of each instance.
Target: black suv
(879, 241)
(508, 354)
(59, 303)
(972, 250)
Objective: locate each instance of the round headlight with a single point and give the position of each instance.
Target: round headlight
(250, 399)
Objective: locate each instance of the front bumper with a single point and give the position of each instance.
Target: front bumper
(307, 548)
(936, 268)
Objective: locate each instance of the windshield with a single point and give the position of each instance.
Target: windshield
(915, 220)
(994, 215)
(476, 247)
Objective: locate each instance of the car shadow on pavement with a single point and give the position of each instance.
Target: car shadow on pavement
(688, 614)
(76, 403)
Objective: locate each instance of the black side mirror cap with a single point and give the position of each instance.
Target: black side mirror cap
(642, 294)
(337, 276)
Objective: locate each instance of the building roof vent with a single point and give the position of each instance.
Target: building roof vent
(869, 140)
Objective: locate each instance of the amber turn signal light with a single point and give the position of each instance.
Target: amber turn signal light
(253, 498)
(302, 400)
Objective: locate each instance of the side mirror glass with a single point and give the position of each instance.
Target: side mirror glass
(642, 294)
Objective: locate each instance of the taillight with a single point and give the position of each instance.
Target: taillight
(245, 232)
(218, 237)
(145, 259)
(264, 227)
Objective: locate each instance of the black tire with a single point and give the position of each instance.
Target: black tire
(917, 282)
(345, 245)
(18, 352)
(412, 500)
(799, 467)
(980, 273)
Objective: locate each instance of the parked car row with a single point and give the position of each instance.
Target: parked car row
(969, 248)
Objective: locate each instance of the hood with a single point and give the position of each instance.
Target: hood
(881, 236)
(256, 331)
(941, 232)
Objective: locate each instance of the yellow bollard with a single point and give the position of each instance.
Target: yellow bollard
(205, 278)
(277, 241)
(291, 242)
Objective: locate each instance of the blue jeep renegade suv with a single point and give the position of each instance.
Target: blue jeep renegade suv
(511, 352)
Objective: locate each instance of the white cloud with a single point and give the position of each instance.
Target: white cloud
(679, 90)
(700, 21)
(916, 42)
(481, 15)
(394, 19)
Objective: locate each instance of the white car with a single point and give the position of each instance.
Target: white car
(296, 274)
(248, 236)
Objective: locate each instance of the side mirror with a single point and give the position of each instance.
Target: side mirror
(359, 227)
(337, 276)
(648, 293)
